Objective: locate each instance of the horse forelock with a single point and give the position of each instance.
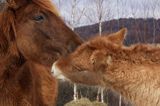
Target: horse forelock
(48, 5)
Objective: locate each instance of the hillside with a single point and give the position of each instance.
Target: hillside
(139, 30)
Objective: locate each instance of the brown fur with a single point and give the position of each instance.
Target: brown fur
(132, 71)
(28, 47)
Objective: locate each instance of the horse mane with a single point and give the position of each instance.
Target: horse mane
(6, 30)
(48, 5)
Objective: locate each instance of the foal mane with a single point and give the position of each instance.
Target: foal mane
(138, 54)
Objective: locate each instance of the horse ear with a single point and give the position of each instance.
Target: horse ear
(118, 37)
(15, 4)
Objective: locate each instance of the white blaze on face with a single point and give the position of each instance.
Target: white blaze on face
(57, 72)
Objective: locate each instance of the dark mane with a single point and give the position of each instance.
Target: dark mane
(48, 5)
(6, 30)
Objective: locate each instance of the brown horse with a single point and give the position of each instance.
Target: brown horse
(32, 37)
(132, 71)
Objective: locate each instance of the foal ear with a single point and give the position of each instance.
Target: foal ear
(118, 37)
(15, 4)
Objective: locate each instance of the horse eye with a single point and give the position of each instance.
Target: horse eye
(39, 18)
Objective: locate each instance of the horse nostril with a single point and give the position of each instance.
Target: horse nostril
(72, 46)
(73, 43)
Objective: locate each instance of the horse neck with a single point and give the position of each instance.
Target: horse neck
(135, 74)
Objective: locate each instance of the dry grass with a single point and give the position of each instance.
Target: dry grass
(84, 102)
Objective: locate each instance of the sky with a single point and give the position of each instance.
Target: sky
(86, 12)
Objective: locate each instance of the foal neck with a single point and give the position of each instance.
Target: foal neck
(135, 74)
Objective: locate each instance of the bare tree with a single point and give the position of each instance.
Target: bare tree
(72, 19)
(118, 12)
(76, 13)
(145, 12)
(73, 14)
(75, 18)
(103, 12)
(59, 4)
(99, 12)
(134, 8)
(157, 12)
(153, 7)
(134, 13)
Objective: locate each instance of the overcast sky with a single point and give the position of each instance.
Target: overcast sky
(113, 9)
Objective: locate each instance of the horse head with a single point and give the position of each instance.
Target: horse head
(37, 30)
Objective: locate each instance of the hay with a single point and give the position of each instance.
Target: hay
(84, 102)
(96, 103)
(80, 102)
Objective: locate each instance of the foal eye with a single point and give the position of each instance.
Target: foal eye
(39, 18)
(93, 61)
